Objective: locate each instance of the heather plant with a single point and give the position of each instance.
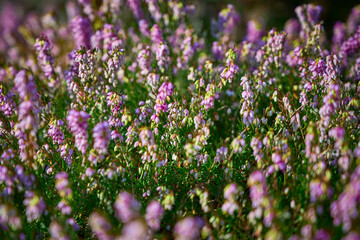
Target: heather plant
(126, 121)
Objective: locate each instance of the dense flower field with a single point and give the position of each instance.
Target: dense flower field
(126, 121)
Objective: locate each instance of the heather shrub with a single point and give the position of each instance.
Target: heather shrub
(125, 121)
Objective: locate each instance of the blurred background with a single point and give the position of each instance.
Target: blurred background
(272, 13)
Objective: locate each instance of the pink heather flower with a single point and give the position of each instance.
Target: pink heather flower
(313, 13)
(28, 117)
(101, 135)
(229, 72)
(45, 59)
(317, 190)
(218, 51)
(66, 153)
(110, 38)
(64, 208)
(248, 114)
(126, 207)
(257, 183)
(344, 161)
(72, 10)
(87, 8)
(144, 27)
(321, 234)
(9, 18)
(115, 61)
(331, 103)
(154, 214)
(25, 86)
(188, 49)
(230, 191)
(153, 80)
(228, 19)
(154, 9)
(114, 101)
(135, 6)
(100, 226)
(339, 36)
(7, 104)
(28, 120)
(353, 20)
(77, 122)
(254, 31)
(62, 184)
(278, 162)
(55, 132)
(221, 154)
(309, 15)
(230, 206)
(144, 61)
(162, 56)
(256, 144)
(35, 206)
(352, 236)
(146, 138)
(156, 35)
(188, 228)
(84, 60)
(237, 144)
(275, 42)
(337, 133)
(317, 68)
(82, 31)
(351, 45)
(89, 172)
(292, 27)
(332, 70)
(57, 231)
(116, 135)
(134, 230)
(345, 208)
(165, 90)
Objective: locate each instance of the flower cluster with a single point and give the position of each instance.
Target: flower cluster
(145, 119)
(77, 122)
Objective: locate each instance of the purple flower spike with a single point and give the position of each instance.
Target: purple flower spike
(154, 214)
(55, 132)
(82, 31)
(313, 12)
(45, 59)
(35, 206)
(101, 135)
(188, 228)
(126, 207)
(77, 122)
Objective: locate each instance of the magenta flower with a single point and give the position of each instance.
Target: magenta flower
(77, 122)
(82, 31)
(154, 214)
(189, 228)
(126, 207)
(101, 135)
